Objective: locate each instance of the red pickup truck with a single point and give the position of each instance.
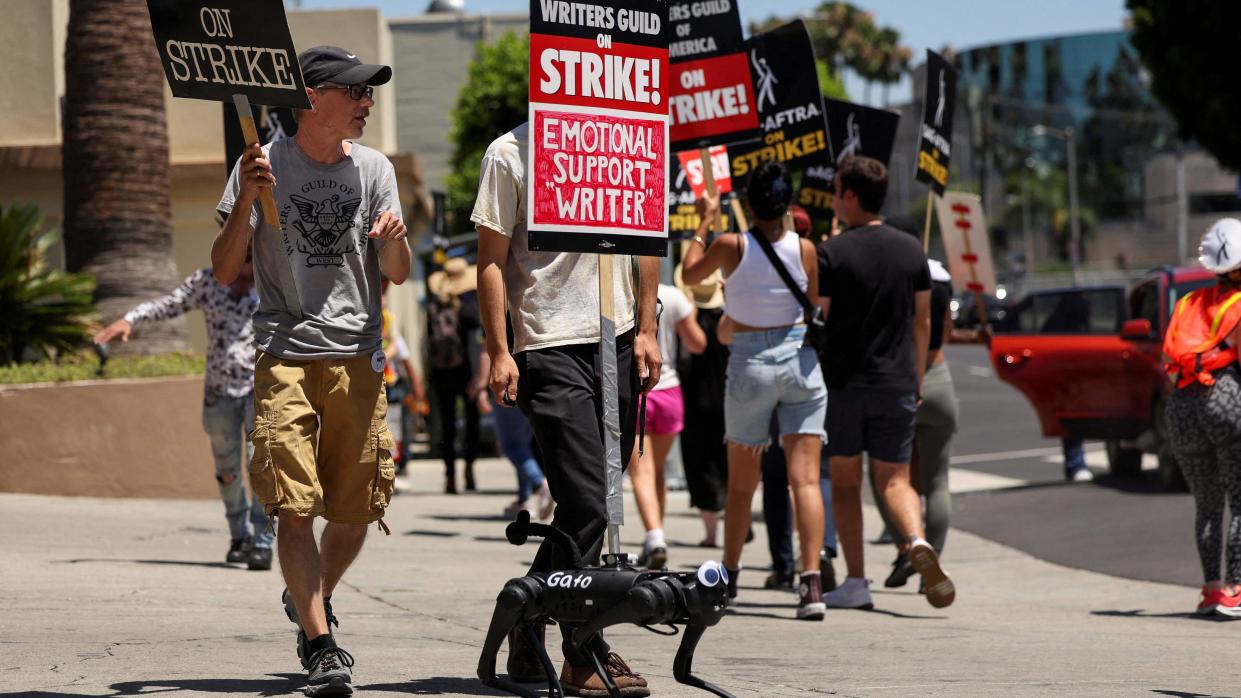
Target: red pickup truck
(1089, 360)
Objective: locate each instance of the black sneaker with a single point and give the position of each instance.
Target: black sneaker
(827, 572)
(259, 559)
(654, 559)
(779, 580)
(238, 550)
(902, 570)
(328, 673)
(731, 598)
(303, 652)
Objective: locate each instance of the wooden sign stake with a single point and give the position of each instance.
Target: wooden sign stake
(708, 179)
(611, 406)
(271, 217)
(926, 228)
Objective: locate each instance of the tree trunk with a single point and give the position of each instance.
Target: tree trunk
(118, 220)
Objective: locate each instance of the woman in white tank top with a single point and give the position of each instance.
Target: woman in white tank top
(768, 370)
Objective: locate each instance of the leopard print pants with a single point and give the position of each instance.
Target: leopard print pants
(1204, 431)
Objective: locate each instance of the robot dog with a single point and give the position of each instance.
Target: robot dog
(593, 598)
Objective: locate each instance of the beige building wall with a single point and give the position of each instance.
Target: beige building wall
(32, 84)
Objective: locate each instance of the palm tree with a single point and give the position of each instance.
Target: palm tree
(117, 210)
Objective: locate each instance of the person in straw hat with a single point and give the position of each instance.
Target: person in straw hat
(452, 327)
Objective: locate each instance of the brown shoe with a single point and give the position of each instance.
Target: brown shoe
(583, 681)
(523, 659)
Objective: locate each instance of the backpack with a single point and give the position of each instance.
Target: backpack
(444, 324)
(1195, 346)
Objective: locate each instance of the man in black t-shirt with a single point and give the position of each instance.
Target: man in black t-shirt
(877, 288)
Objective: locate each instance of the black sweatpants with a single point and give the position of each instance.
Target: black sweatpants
(560, 390)
(448, 385)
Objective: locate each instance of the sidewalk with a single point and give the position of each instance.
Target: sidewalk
(111, 597)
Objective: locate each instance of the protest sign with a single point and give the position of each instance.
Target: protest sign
(853, 129)
(935, 134)
(598, 150)
(683, 218)
(691, 164)
(790, 106)
(966, 243)
(712, 100)
(233, 50)
(271, 123)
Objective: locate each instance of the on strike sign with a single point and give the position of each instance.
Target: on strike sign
(691, 165)
(712, 99)
(935, 135)
(598, 126)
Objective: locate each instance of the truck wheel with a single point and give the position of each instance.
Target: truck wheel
(1124, 462)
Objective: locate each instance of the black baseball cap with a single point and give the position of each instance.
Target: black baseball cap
(333, 64)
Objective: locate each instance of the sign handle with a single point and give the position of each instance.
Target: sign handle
(974, 285)
(251, 135)
(708, 179)
(739, 214)
(926, 228)
(288, 285)
(611, 407)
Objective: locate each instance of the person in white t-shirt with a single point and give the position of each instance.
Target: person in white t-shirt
(665, 418)
(552, 374)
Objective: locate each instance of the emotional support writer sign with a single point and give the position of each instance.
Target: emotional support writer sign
(598, 127)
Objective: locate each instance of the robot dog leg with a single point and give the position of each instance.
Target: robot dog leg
(593, 598)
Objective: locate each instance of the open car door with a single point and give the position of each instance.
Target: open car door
(1063, 350)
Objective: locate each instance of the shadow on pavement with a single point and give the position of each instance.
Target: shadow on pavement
(1140, 613)
(183, 563)
(467, 517)
(1184, 694)
(433, 534)
(277, 685)
(438, 685)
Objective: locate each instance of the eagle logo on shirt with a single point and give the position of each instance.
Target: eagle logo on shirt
(322, 226)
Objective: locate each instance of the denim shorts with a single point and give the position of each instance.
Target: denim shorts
(771, 371)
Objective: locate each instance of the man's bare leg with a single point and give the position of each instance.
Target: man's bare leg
(893, 484)
(300, 565)
(338, 548)
(847, 506)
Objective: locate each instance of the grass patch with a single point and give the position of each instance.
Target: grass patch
(85, 366)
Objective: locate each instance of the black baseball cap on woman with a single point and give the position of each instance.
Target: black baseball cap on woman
(323, 64)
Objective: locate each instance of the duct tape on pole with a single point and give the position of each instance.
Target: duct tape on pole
(237, 51)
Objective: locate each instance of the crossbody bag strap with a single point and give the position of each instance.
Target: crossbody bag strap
(783, 271)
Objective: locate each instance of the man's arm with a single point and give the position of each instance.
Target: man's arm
(492, 253)
(922, 331)
(228, 252)
(646, 344)
(394, 257)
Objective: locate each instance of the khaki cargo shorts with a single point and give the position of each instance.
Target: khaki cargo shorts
(321, 441)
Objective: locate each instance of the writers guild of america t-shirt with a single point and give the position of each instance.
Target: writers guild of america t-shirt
(325, 214)
(871, 273)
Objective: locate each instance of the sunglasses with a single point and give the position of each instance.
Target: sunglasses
(356, 92)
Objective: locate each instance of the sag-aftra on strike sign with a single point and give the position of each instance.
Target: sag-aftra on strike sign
(598, 126)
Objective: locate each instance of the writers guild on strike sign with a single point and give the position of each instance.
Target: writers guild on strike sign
(598, 171)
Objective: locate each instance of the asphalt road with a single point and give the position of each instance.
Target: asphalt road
(1116, 526)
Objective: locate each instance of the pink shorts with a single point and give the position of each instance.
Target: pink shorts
(665, 411)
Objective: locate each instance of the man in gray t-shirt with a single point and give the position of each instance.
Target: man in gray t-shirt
(321, 441)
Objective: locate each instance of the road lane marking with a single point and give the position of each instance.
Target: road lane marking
(960, 481)
(1006, 455)
(980, 371)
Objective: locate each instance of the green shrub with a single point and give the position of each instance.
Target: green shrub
(42, 311)
(85, 366)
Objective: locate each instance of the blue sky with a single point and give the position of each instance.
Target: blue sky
(923, 24)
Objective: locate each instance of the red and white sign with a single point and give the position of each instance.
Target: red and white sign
(966, 243)
(598, 149)
(713, 100)
(691, 162)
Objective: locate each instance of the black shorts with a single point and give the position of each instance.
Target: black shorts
(880, 422)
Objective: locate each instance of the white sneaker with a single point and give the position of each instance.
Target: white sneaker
(853, 593)
(1082, 475)
(542, 499)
